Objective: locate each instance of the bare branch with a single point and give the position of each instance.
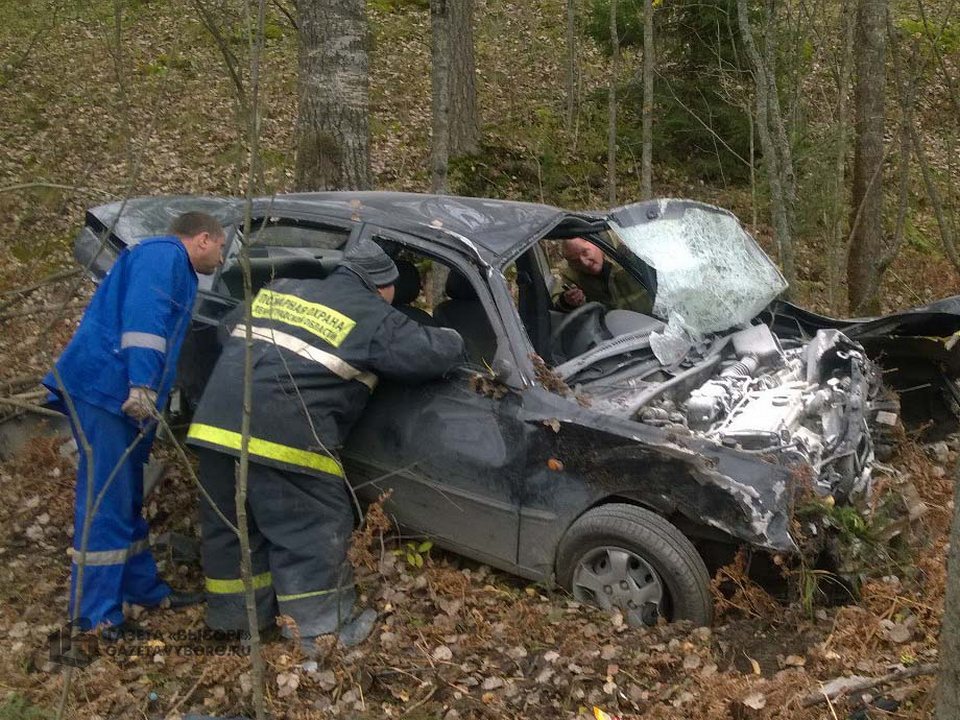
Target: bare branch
(55, 186)
(903, 674)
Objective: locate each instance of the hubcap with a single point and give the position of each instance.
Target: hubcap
(611, 577)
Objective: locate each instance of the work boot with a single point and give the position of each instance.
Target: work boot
(357, 629)
(181, 599)
(353, 632)
(127, 630)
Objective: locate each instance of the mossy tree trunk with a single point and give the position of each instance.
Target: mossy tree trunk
(866, 237)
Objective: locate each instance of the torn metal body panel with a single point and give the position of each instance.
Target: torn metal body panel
(579, 445)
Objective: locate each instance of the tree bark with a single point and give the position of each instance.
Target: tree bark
(773, 141)
(571, 77)
(948, 686)
(646, 160)
(333, 127)
(440, 90)
(464, 119)
(866, 244)
(612, 108)
(837, 252)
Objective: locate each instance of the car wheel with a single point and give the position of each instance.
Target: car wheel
(625, 557)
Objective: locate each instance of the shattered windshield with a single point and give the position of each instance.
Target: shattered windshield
(711, 275)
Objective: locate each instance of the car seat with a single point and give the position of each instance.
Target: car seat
(465, 313)
(406, 290)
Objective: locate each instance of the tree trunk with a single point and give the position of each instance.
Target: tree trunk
(440, 94)
(772, 141)
(646, 160)
(571, 85)
(866, 243)
(836, 253)
(464, 120)
(333, 127)
(948, 686)
(612, 108)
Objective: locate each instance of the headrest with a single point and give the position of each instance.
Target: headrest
(459, 288)
(407, 287)
(370, 258)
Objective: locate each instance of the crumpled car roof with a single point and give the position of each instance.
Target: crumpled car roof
(494, 225)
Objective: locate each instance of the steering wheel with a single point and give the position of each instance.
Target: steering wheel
(593, 309)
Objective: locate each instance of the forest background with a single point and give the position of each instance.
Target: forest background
(829, 128)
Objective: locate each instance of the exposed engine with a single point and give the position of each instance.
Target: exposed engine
(810, 402)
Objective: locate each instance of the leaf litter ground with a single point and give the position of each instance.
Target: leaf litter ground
(455, 639)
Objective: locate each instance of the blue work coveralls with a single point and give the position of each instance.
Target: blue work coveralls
(130, 335)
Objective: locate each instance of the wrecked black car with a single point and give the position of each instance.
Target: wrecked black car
(609, 450)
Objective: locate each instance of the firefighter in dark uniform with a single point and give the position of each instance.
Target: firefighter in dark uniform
(319, 347)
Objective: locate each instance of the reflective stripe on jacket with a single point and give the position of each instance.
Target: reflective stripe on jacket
(133, 329)
(318, 349)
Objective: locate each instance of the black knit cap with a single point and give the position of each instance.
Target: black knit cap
(369, 257)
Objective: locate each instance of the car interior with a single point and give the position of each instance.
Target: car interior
(298, 249)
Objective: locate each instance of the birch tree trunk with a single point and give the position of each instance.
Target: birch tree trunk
(612, 108)
(646, 159)
(866, 243)
(333, 127)
(463, 116)
(440, 94)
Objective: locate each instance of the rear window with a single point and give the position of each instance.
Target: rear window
(321, 237)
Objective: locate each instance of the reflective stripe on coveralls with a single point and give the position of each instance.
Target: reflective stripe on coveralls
(143, 340)
(110, 557)
(266, 449)
(119, 566)
(331, 362)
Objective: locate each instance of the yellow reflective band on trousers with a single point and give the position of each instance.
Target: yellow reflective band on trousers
(320, 320)
(266, 449)
(234, 587)
(301, 596)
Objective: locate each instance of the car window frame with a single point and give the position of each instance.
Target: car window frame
(489, 299)
(232, 251)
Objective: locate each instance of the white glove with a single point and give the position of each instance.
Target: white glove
(141, 403)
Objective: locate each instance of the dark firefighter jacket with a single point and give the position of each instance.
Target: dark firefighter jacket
(319, 348)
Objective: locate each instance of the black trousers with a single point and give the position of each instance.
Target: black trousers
(299, 528)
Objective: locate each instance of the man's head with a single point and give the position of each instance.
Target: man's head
(203, 237)
(582, 254)
(370, 259)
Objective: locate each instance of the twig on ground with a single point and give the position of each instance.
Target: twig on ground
(17, 294)
(189, 692)
(422, 701)
(18, 381)
(30, 407)
(902, 674)
(43, 310)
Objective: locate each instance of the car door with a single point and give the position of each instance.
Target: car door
(450, 455)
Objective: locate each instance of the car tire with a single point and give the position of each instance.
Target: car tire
(653, 553)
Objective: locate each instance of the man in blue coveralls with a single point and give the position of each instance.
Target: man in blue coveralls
(116, 372)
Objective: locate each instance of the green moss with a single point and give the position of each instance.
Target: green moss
(16, 707)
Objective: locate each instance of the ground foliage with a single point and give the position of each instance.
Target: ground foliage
(454, 639)
(458, 640)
